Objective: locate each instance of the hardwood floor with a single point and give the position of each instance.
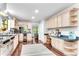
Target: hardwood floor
(54, 50)
(17, 52)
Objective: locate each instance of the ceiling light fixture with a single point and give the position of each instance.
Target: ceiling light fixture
(33, 17)
(36, 11)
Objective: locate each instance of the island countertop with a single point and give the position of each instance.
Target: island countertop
(65, 38)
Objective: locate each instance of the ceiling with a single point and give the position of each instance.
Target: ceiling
(25, 11)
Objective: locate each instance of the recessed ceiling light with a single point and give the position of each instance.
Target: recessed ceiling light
(33, 17)
(36, 11)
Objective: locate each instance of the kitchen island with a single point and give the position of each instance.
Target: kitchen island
(65, 45)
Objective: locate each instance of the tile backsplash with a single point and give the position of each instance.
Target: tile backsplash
(65, 31)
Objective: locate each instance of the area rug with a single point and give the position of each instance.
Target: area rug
(35, 50)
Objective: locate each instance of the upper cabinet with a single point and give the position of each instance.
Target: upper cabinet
(66, 18)
(52, 22)
(56, 22)
(74, 17)
(48, 23)
(59, 20)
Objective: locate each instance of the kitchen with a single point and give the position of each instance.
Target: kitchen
(56, 25)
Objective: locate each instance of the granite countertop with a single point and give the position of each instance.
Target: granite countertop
(65, 38)
(6, 38)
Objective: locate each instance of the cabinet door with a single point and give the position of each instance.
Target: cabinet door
(55, 21)
(52, 23)
(29, 37)
(21, 37)
(65, 19)
(48, 23)
(53, 42)
(59, 20)
(59, 44)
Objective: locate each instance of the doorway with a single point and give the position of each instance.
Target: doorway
(35, 34)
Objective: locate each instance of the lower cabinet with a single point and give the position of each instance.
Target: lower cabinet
(6, 49)
(58, 43)
(29, 37)
(20, 37)
(68, 48)
(54, 42)
(71, 48)
(45, 38)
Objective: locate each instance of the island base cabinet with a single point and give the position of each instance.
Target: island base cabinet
(57, 43)
(60, 45)
(71, 48)
(20, 37)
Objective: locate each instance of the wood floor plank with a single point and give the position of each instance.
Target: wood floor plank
(18, 50)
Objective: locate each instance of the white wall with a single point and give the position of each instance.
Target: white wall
(2, 6)
(41, 31)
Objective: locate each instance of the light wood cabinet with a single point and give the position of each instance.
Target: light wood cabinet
(59, 22)
(74, 17)
(52, 22)
(29, 37)
(53, 42)
(55, 21)
(21, 37)
(57, 43)
(65, 19)
(60, 45)
(68, 48)
(62, 20)
(71, 48)
(48, 24)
